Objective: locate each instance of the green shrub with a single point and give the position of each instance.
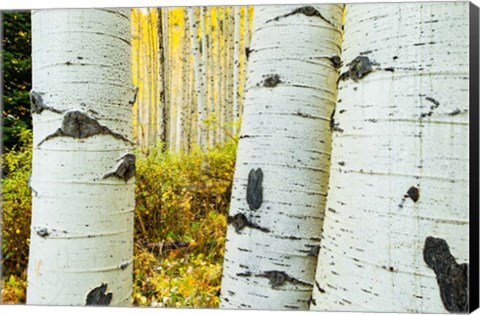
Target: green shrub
(16, 206)
(181, 197)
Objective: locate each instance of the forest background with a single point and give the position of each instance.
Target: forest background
(172, 239)
(183, 183)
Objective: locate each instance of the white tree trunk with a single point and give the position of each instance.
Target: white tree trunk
(219, 74)
(230, 24)
(398, 199)
(81, 242)
(162, 77)
(168, 77)
(243, 54)
(273, 234)
(199, 81)
(224, 81)
(236, 65)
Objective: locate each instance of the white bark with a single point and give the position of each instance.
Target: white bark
(229, 21)
(236, 65)
(168, 77)
(217, 75)
(199, 81)
(82, 223)
(162, 66)
(270, 261)
(400, 161)
(224, 81)
(221, 71)
(243, 54)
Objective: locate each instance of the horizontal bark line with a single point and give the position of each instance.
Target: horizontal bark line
(289, 166)
(414, 175)
(92, 270)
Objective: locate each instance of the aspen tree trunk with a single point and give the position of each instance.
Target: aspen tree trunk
(220, 72)
(185, 90)
(191, 110)
(244, 54)
(204, 69)
(210, 74)
(179, 102)
(153, 35)
(224, 87)
(199, 81)
(282, 168)
(189, 86)
(167, 80)
(150, 48)
(216, 73)
(161, 114)
(140, 81)
(229, 19)
(81, 244)
(236, 65)
(396, 228)
(147, 94)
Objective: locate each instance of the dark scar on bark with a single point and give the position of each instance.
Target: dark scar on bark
(358, 68)
(332, 120)
(279, 278)
(244, 274)
(452, 278)
(334, 126)
(319, 288)
(41, 231)
(255, 189)
(293, 307)
(413, 193)
(307, 11)
(336, 61)
(98, 297)
(272, 81)
(247, 52)
(432, 108)
(240, 221)
(37, 106)
(314, 251)
(125, 169)
(455, 112)
(79, 125)
(124, 265)
(134, 96)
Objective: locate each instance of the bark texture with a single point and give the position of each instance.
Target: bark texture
(398, 197)
(81, 244)
(282, 166)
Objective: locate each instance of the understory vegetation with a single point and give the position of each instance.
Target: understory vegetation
(180, 224)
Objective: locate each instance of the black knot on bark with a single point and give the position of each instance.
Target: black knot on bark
(125, 169)
(452, 278)
(272, 81)
(255, 189)
(79, 125)
(413, 193)
(360, 67)
(239, 221)
(98, 297)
